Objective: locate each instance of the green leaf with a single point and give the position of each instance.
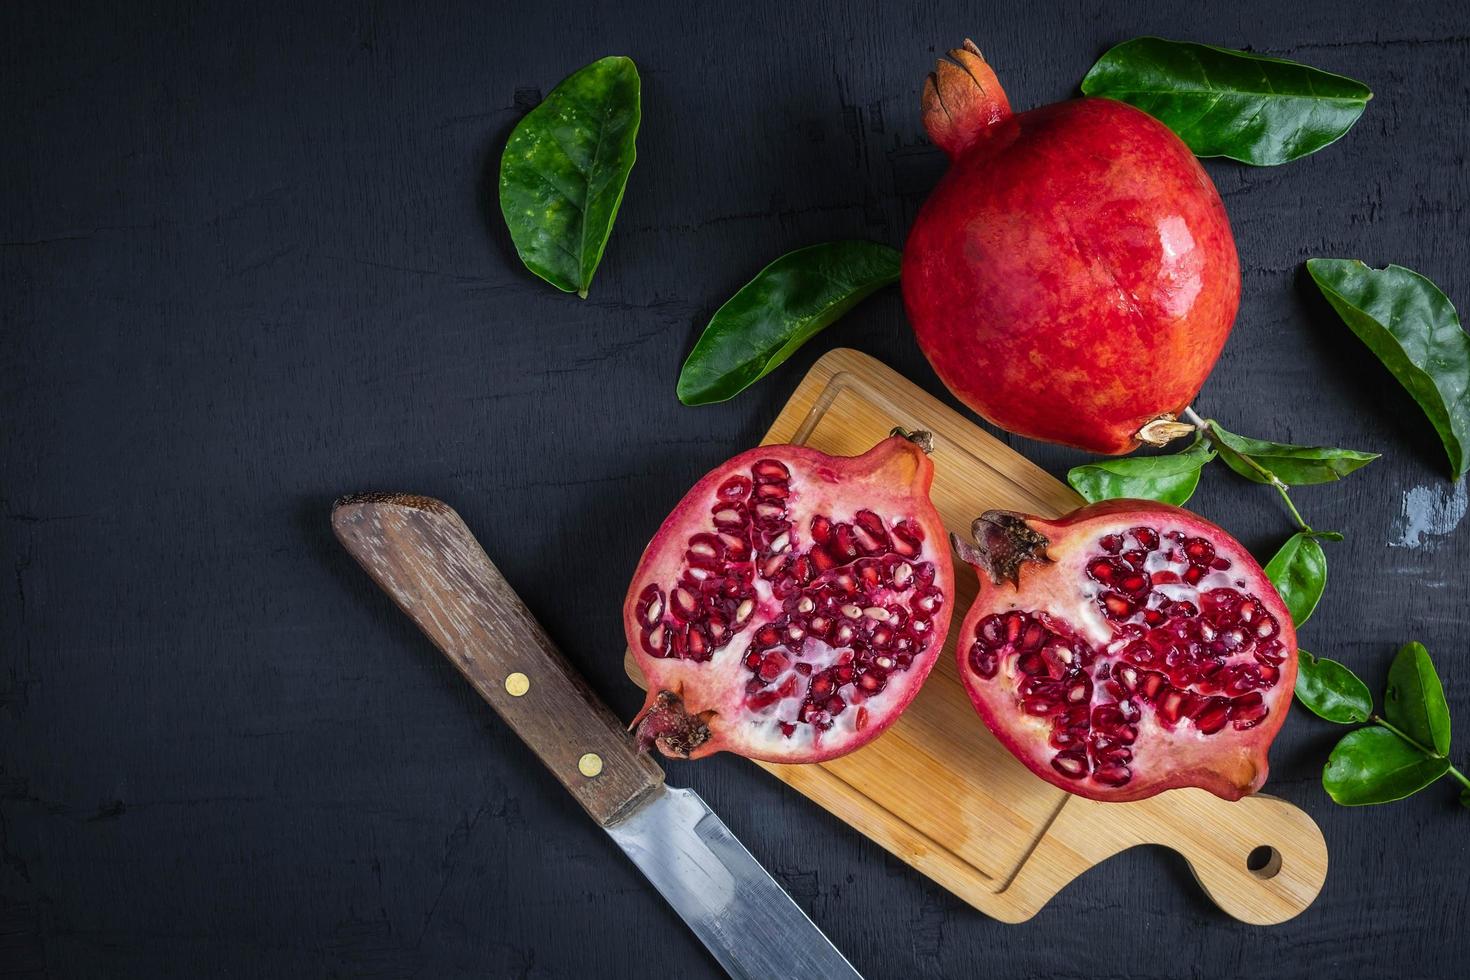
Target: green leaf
(1331, 691)
(779, 310)
(1373, 765)
(1299, 572)
(1170, 479)
(564, 169)
(1226, 103)
(1465, 798)
(1292, 465)
(1414, 701)
(1414, 330)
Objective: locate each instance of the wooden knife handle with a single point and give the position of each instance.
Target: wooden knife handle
(422, 554)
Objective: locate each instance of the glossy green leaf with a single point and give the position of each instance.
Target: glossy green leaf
(1226, 103)
(1171, 479)
(779, 310)
(1292, 465)
(1414, 330)
(564, 169)
(1414, 701)
(1299, 572)
(1373, 765)
(1331, 691)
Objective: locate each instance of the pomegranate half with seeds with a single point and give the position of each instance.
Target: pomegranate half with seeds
(1127, 648)
(792, 604)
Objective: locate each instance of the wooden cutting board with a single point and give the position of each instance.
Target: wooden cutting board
(937, 790)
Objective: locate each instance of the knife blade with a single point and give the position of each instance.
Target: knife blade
(734, 906)
(420, 552)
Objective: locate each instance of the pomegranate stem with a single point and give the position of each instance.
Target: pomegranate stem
(1207, 426)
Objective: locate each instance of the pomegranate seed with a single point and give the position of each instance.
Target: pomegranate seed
(821, 561)
(1072, 764)
(1210, 717)
(735, 488)
(787, 728)
(1199, 551)
(1146, 536)
(1134, 584)
(877, 613)
(1113, 775)
(1248, 711)
(770, 470)
(761, 700)
(902, 573)
(861, 721)
(1111, 543)
(1117, 607)
(1193, 574)
(843, 545)
(769, 510)
(983, 662)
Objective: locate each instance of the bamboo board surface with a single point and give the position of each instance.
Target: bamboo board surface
(983, 826)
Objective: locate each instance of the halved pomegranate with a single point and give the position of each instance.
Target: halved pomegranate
(1127, 648)
(792, 604)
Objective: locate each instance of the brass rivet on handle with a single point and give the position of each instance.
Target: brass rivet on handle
(590, 764)
(517, 684)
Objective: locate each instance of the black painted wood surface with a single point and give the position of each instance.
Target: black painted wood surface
(250, 258)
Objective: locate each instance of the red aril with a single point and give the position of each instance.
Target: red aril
(1127, 648)
(1073, 277)
(792, 604)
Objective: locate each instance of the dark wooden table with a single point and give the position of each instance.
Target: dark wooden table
(251, 258)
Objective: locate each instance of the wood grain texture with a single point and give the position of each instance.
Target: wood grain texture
(937, 790)
(251, 258)
(421, 553)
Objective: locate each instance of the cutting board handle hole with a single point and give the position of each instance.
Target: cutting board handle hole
(1264, 862)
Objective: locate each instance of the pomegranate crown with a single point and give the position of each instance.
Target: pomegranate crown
(962, 100)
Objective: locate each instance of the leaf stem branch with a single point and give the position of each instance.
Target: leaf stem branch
(1378, 719)
(1207, 427)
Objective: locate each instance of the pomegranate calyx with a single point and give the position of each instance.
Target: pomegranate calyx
(1004, 542)
(665, 723)
(962, 100)
(1163, 430)
(919, 437)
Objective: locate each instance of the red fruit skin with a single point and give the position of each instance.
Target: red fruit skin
(892, 478)
(1230, 764)
(1073, 276)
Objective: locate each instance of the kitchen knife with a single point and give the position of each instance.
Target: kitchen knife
(422, 554)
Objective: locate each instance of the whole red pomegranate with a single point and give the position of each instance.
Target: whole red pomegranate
(1073, 276)
(792, 604)
(1125, 649)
